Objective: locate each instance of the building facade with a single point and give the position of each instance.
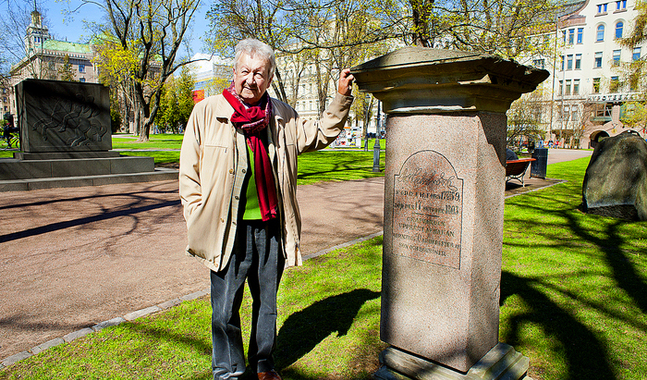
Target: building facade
(47, 58)
(592, 85)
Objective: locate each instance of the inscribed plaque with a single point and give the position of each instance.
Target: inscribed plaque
(428, 210)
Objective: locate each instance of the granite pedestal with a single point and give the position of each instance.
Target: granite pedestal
(443, 208)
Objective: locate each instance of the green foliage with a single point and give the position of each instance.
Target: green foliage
(634, 115)
(496, 27)
(150, 34)
(65, 72)
(177, 102)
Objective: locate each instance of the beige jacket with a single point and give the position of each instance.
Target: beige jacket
(213, 163)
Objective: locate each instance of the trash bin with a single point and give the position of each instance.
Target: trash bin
(538, 167)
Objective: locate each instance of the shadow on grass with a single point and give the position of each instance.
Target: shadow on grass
(586, 356)
(624, 273)
(303, 330)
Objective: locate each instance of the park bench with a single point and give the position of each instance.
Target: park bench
(516, 169)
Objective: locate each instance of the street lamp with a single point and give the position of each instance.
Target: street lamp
(376, 147)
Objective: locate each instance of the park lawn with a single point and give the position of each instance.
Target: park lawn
(573, 299)
(574, 286)
(156, 141)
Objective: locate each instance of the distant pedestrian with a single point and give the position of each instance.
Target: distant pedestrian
(9, 128)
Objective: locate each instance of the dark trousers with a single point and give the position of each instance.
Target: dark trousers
(258, 257)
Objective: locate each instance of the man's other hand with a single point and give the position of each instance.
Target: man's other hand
(345, 86)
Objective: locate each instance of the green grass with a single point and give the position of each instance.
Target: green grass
(574, 286)
(573, 299)
(157, 141)
(332, 165)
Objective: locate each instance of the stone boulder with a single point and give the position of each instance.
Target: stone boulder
(615, 183)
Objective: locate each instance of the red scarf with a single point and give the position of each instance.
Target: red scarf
(252, 121)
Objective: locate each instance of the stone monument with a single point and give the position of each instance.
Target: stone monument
(65, 133)
(443, 210)
(615, 183)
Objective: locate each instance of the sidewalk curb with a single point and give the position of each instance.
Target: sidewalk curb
(13, 359)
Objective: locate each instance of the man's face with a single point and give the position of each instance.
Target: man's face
(251, 78)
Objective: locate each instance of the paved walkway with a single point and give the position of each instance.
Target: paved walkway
(71, 258)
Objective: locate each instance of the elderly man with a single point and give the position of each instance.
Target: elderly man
(238, 173)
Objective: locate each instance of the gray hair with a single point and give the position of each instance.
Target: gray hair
(256, 48)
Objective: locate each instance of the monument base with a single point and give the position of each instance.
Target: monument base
(64, 155)
(502, 362)
(13, 169)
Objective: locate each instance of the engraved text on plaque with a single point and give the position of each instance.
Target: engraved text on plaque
(428, 209)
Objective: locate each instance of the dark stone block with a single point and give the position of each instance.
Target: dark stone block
(11, 169)
(132, 164)
(57, 116)
(615, 183)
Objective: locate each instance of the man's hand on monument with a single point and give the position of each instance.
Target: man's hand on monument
(345, 86)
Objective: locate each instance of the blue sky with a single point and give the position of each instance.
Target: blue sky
(73, 28)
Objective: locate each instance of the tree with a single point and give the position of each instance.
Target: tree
(116, 67)
(153, 30)
(634, 115)
(524, 118)
(65, 71)
(16, 18)
(235, 20)
(177, 101)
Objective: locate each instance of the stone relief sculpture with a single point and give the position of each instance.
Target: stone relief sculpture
(76, 122)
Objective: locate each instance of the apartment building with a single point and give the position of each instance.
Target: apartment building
(592, 82)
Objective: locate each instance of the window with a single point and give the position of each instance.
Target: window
(564, 35)
(574, 113)
(598, 60)
(560, 90)
(571, 36)
(578, 61)
(567, 88)
(635, 55)
(81, 68)
(596, 85)
(599, 36)
(602, 8)
(539, 63)
(566, 112)
(580, 35)
(616, 58)
(619, 26)
(614, 84)
(603, 110)
(82, 80)
(576, 86)
(621, 5)
(569, 62)
(562, 63)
